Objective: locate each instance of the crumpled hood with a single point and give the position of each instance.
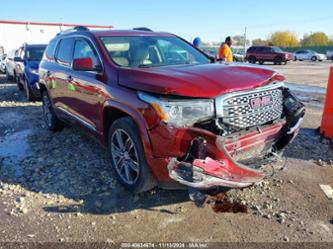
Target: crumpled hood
(205, 81)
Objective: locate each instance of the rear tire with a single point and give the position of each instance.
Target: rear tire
(127, 156)
(30, 96)
(51, 120)
(277, 61)
(18, 83)
(332, 58)
(8, 77)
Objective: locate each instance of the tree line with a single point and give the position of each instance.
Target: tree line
(290, 39)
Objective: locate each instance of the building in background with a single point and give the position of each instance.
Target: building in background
(14, 33)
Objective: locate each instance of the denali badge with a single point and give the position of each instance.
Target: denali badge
(259, 102)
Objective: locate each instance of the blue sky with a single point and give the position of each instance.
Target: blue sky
(212, 20)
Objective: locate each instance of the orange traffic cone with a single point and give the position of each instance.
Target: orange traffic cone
(326, 128)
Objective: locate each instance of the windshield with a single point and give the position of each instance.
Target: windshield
(35, 53)
(151, 51)
(277, 50)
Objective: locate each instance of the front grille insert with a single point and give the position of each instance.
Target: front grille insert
(251, 108)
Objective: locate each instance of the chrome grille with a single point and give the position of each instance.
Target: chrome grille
(237, 110)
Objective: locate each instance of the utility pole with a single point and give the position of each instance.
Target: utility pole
(245, 41)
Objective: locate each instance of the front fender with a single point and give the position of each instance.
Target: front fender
(138, 119)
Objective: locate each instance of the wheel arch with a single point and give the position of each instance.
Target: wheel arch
(113, 110)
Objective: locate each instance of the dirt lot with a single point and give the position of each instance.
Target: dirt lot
(59, 186)
(306, 72)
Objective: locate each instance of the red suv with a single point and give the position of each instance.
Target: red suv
(167, 114)
(263, 54)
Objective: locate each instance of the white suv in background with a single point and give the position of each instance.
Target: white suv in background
(10, 64)
(306, 54)
(329, 54)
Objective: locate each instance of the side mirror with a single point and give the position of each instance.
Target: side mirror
(83, 64)
(18, 59)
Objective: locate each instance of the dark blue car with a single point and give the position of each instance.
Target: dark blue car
(26, 67)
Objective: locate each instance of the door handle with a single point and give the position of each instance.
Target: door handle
(69, 78)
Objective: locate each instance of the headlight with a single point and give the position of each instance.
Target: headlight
(33, 71)
(180, 112)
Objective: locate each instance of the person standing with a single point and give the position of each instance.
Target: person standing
(197, 42)
(225, 53)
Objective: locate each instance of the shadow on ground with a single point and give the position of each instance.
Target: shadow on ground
(67, 163)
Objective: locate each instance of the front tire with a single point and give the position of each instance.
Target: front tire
(51, 120)
(314, 58)
(127, 156)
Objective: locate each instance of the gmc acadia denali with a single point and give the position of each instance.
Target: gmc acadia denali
(167, 113)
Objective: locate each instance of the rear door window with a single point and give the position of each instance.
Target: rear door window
(65, 51)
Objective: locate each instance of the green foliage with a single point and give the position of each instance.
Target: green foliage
(284, 38)
(315, 39)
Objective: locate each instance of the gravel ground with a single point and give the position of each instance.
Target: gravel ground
(60, 187)
(306, 72)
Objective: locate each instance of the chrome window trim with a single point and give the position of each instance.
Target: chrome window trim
(79, 37)
(220, 99)
(85, 123)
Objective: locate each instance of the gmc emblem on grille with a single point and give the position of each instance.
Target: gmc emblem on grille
(259, 102)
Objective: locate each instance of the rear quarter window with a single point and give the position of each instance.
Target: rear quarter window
(50, 49)
(251, 49)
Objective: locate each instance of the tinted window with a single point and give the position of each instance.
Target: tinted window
(34, 53)
(251, 49)
(260, 49)
(267, 50)
(83, 49)
(65, 51)
(51, 49)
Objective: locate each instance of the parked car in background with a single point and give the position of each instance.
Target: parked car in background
(26, 68)
(238, 55)
(329, 55)
(307, 54)
(10, 65)
(166, 113)
(3, 63)
(264, 54)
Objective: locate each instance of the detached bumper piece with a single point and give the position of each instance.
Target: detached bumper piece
(209, 173)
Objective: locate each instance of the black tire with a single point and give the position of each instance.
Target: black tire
(8, 77)
(30, 96)
(314, 58)
(51, 120)
(332, 58)
(261, 62)
(295, 58)
(252, 60)
(125, 128)
(277, 61)
(18, 83)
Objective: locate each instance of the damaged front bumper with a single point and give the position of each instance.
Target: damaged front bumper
(240, 159)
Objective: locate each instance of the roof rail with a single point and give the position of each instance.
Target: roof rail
(143, 29)
(76, 28)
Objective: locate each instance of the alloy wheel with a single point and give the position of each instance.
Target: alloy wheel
(124, 156)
